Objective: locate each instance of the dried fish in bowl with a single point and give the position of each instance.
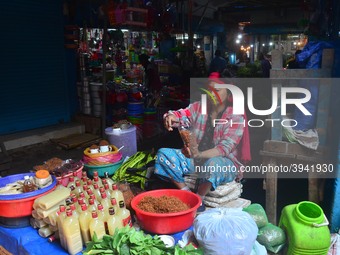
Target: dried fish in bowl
(12, 188)
(68, 166)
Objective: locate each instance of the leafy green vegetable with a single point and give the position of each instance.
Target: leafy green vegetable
(128, 241)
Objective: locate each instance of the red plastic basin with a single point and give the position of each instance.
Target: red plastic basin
(19, 207)
(167, 223)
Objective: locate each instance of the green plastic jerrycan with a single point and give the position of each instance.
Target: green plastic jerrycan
(306, 228)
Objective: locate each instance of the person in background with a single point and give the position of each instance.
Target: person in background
(293, 63)
(151, 76)
(265, 65)
(216, 146)
(218, 64)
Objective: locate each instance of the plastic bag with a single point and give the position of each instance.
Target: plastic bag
(272, 237)
(220, 191)
(102, 160)
(230, 197)
(258, 249)
(259, 215)
(225, 231)
(335, 244)
(311, 55)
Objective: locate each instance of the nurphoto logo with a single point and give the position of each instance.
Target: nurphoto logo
(239, 103)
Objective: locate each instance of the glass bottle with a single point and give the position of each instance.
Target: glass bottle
(28, 184)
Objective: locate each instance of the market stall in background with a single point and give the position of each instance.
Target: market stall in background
(110, 201)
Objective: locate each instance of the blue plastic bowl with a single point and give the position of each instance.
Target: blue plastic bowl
(17, 177)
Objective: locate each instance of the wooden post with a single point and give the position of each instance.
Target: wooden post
(104, 80)
(271, 191)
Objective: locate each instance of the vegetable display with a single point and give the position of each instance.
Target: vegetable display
(134, 170)
(128, 241)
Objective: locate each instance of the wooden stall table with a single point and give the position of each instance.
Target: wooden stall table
(277, 152)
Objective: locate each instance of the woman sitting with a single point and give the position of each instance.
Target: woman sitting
(214, 150)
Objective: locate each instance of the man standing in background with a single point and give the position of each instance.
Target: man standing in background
(218, 64)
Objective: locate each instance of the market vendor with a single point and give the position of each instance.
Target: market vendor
(223, 147)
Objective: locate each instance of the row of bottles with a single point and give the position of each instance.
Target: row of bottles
(76, 228)
(92, 206)
(97, 206)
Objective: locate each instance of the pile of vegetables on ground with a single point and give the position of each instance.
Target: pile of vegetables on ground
(128, 241)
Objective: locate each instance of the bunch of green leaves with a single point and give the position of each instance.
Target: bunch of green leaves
(128, 241)
(137, 161)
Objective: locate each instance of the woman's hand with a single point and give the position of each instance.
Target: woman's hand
(192, 152)
(169, 121)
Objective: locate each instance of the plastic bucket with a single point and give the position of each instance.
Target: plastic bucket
(123, 137)
(306, 227)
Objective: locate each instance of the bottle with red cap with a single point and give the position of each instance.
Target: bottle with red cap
(97, 179)
(124, 215)
(89, 184)
(60, 219)
(59, 184)
(71, 184)
(76, 204)
(105, 200)
(96, 226)
(84, 222)
(102, 213)
(96, 191)
(92, 206)
(77, 189)
(74, 210)
(72, 233)
(107, 190)
(117, 194)
(112, 222)
(108, 179)
(94, 199)
(75, 176)
(114, 205)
